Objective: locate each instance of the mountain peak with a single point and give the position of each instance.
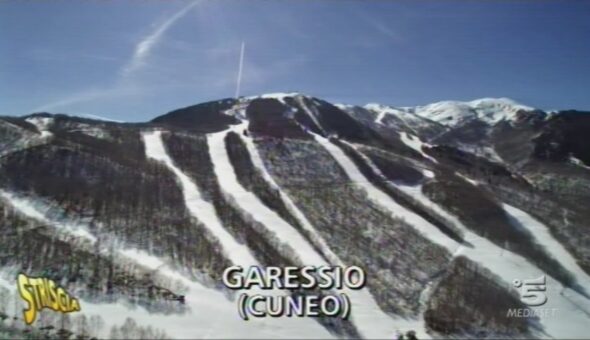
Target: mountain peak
(453, 112)
(487, 110)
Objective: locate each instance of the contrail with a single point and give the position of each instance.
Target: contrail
(239, 82)
(144, 47)
(142, 51)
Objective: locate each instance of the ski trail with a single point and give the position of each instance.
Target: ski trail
(311, 115)
(237, 253)
(572, 308)
(299, 215)
(38, 211)
(380, 115)
(367, 316)
(197, 206)
(419, 223)
(206, 306)
(415, 143)
(544, 238)
(250, 203)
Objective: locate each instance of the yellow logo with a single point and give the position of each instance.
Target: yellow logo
(41, 293)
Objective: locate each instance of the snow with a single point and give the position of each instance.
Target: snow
(407, 116)
(259, 164)
(368, 318)
(488, 110)
(452, 113)
(428, 173)
(487, 152)
(207, 306)
(197, 206)
(446, 112)
(375, 194)
(409, 119)
(427, 230)
(37, 210)
(310, 113)
(381, 111)
(415, 143)
(210, 312)
(493, 110)
(280, 96)
(238, 110)
(470, 180)
(572, 308)
(344, 107)
(251, 203)
(42, 124)
(237, 253)
(578, 162)
(544, 237)
(92, 131)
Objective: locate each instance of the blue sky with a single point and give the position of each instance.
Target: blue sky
(134, 60)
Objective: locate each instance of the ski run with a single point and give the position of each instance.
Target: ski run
(507, 265)
(237, 253)
(212, 313)
(369, 319)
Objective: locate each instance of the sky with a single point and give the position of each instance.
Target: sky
(134, 60)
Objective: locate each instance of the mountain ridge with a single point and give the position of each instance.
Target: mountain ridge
(427, 209)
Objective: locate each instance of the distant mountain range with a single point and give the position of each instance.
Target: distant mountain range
(445, 206)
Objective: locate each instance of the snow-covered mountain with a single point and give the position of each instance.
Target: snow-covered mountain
(444, 206)
(487, 110)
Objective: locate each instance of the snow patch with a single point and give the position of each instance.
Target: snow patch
(38, 210)
(578, 162)
(280, 96)
(415, 143)
(42, 124)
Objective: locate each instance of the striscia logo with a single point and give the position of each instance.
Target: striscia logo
(42, 293)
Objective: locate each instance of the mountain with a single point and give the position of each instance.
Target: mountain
(445, 207)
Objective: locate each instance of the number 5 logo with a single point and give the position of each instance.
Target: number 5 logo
(532, 291)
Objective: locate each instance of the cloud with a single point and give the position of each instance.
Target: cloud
(144, 47)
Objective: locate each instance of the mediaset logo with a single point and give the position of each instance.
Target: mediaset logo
(532, 294)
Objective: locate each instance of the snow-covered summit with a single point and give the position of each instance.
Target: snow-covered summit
(488, 110)
(452, 113)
